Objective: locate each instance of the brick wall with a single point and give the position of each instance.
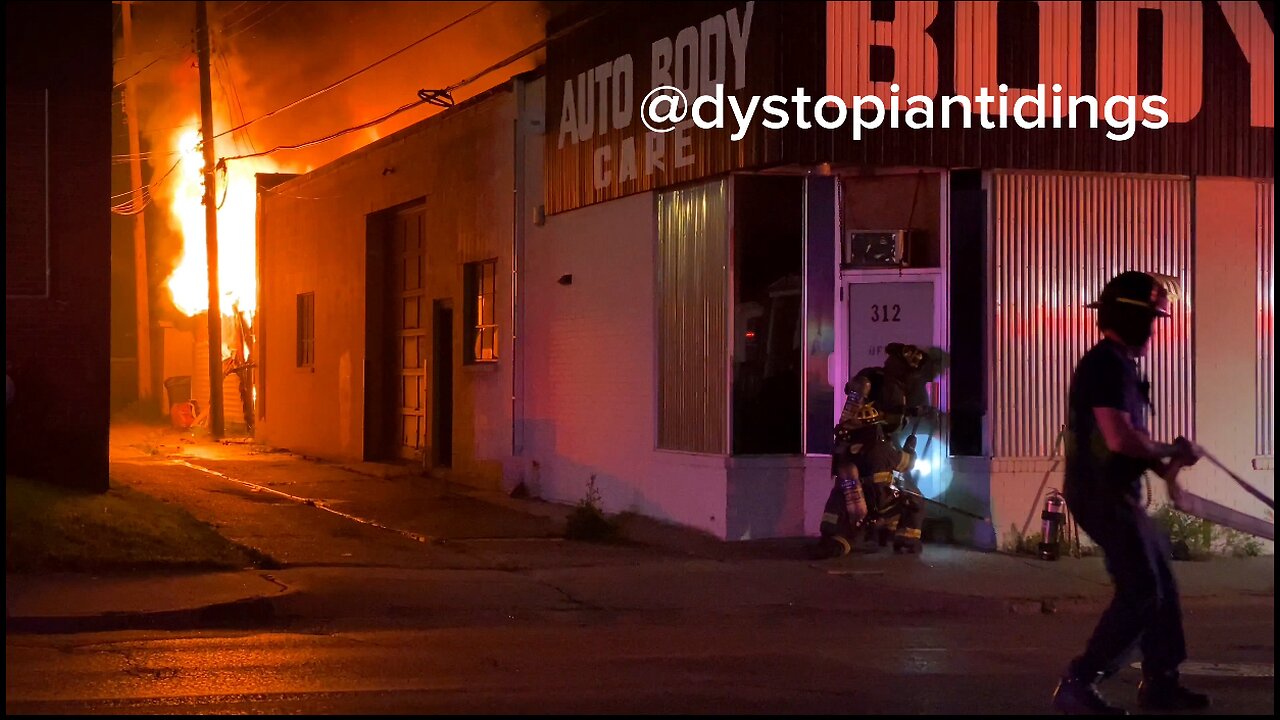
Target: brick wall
(315, 240)
(588, 367)
(57, 333)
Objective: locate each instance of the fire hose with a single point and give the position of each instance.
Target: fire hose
(1271, 504)
(1205, 509)
(941, 504)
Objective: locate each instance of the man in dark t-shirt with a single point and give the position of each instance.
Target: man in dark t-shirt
(1108, 448)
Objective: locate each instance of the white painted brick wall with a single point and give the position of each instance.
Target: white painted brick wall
(589, 407)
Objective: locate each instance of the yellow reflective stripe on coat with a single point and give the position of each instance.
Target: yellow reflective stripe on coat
(830, 518)
(905, 461)
(881, 478)
(913, 533)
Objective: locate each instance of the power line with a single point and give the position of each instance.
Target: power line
(226, 97)
(136, 73)
(144, 155)
(259, 9)
(333, 136)
(255, 23)
(181, 49)
(364, 69)
(235, 93)
(233, 11)
(128, 208)
(440, 98)
(527, 51)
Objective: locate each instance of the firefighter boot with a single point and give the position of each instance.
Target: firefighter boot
(907, 541)
(1162, 692)
(831, 546)
(1080, 696)
(885, 533)
(907, 538)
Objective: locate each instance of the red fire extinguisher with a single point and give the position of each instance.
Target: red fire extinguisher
(1051, 522)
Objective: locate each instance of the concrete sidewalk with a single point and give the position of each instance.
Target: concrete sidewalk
(375, 548)
(82, 602)
(1027, 583)
(947, 581)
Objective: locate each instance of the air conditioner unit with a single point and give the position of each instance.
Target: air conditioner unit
(875, 248)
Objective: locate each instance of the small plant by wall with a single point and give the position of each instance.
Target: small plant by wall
(1016, 544)
(587, 521)
(1196, 539)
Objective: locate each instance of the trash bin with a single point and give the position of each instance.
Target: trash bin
(178, 388)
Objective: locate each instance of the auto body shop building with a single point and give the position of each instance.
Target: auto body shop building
(536, 287)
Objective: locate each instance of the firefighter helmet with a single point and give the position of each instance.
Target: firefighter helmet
(858, 389)
(1146, 291)
(1131, 302)
(869, 415)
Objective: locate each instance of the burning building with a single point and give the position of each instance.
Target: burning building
(257, 125)
(536, 287)
(386, 314)
(187, 285)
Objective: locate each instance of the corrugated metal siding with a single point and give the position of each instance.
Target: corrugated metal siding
(693, 259)
(1266, 318)
(232, 410)
(1056, 240)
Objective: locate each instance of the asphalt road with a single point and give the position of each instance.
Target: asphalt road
(501, 620)
(745, 660)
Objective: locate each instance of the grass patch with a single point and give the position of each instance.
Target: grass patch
(54, 528)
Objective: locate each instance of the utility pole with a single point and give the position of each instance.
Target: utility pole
(141, 274)
(210, 222)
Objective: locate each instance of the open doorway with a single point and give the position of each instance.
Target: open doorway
(442, 382)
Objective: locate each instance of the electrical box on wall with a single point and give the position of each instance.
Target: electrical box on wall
(876, 248)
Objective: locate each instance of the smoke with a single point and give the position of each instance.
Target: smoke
(269, 54)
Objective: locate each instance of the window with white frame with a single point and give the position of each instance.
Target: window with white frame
(480, 281)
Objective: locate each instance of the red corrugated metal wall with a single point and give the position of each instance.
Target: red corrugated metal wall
(1056, 239)
(1266, 319)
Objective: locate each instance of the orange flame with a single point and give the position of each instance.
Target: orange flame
(236, 193)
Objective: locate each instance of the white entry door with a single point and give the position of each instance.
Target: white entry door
(883, 311)
(887, 312)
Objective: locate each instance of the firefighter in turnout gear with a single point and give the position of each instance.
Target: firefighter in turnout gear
(895, 514)
(898, 389)
(1108, 449)
(863, 495)
(846, 507)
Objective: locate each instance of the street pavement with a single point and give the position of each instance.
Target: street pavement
(753, 660)
(396, 594)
